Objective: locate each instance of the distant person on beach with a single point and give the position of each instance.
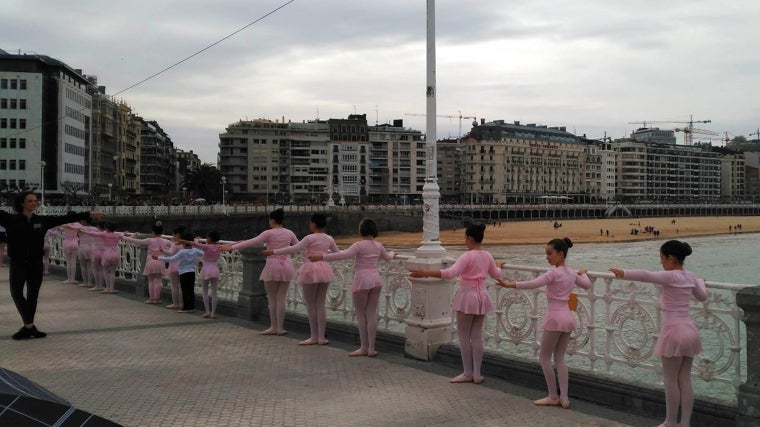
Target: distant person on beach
(26, 233)
(278, 270)
(679, 339)
(472, 301)
(559, 321)
(186, 258)
(366, 284)
(313, 277)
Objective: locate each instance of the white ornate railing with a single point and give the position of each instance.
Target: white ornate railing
(618, 319)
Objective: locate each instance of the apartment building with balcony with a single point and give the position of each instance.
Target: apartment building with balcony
(397, 163)
(158, 162)
(506, 162)
(45, 125)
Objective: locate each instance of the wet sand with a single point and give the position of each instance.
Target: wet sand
(580, 231)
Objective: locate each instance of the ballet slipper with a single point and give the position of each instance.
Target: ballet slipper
(323, 342)
(565, 403)
(372, 353)
(206, 315)
(148, 301)
(281, 333)
(357, 353)
(212, 316)
(172, 306)
(461, 378)
(308, 342)
(478, 380)
(269, 331)
(546, 401)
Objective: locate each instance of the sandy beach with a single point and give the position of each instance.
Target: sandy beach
(582, 231)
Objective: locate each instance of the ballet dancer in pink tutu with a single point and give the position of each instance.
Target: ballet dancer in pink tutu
(210, 271)
(366, 285)
(472, 301)
(154, 269)
(110, 257)
(679, 339)
(559, 322)
(70, 249)
(313, 277)
(96, 256)
(173, 270)
(278, 270)
(83, 253)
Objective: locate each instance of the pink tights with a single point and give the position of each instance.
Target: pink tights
(97, 273)
(176, 291)
(554, 343)
(84, 264)
(212, 283)
(470, 334)
(365, 307)
(314, 296)
(109, 276)
(46, 260)
(71, 266)
(154, 287)
(676, 374)
(276, 293)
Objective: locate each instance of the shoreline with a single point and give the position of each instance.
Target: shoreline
(581, 231)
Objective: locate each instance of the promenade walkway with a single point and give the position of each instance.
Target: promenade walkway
(143, 365)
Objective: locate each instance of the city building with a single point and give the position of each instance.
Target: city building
(397, 164)
(45, 125)
(158, 162)
(515, 163)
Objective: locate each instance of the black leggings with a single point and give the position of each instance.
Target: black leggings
(27, 273)
(187, 283)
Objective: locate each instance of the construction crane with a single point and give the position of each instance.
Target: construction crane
(756, 133)
(687, 130)
(448, 116)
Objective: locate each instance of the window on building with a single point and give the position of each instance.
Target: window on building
(22, 165)
(22, 143)
(14, 84)
(12, 165)
(22, 84)
(14, 104)
(3, 164)
(13, 143)
(22, 123)
(3, 142)
(3, 103)
(3, 123)
(22, 104)
(3, 83)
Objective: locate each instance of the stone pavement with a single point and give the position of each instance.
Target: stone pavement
(143, 365)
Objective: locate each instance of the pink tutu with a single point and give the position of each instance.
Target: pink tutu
(96, 256)
(70, 247)
(110, 257)
(558, 317)
(210, 271)
(173, 268)
(678, 337)
(84, 252)
(472, 300)
(315, 272)
(153, 266)
(278, 268)
(368, 280)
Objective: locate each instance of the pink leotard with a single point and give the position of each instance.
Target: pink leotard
(472, 268)
(278, 268)
(155, 245)
(211, 252)
(366, 254)
(313, 272)
(559, 282)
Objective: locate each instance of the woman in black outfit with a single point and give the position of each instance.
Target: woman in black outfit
(26, 234)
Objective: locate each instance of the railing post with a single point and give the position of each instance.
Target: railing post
(252, 298)
(141, 285)
(748, 400)
(429, 324)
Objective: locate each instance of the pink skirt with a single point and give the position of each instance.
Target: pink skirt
(210, 271)
(315, 272)
(110, 257)
(678, 337)
(278, 268)
(153, 266)
(70, 247)
(558, 317)
(173, 268)
(472, 300)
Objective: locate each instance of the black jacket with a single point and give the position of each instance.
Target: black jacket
(26, 236)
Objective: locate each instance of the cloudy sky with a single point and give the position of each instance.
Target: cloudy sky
(589, 65)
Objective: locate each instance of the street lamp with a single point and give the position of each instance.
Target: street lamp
(224, 199)
(109, 191)
(184, 195)
(42, 182)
